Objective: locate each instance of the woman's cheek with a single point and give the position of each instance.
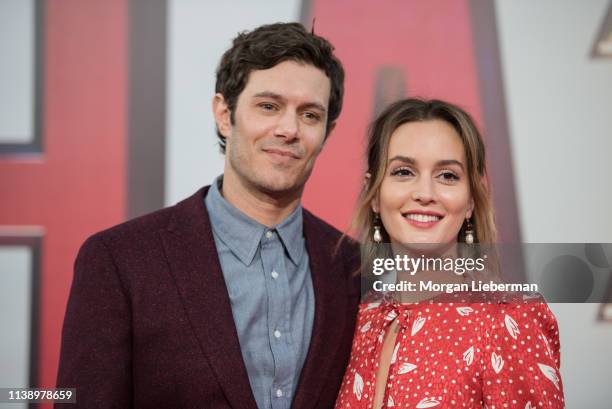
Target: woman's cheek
(454, 201)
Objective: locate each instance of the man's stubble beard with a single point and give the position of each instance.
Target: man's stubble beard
(253, 179)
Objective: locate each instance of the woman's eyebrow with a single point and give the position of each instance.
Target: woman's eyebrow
(405, 159)
(447, 162)
(411, 161)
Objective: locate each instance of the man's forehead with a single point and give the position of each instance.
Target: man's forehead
(290, 80)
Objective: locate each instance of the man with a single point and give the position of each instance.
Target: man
(235, 297)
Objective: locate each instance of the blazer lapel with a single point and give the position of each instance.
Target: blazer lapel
(194, 263)
(329, 284)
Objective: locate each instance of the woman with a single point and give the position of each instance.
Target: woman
(426, 192)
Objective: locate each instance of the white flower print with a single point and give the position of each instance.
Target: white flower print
(427, 403)
(464, 311)
(468, 355)
(550, 373)
(390, 402)
(406, 367)
(511, 326)
(529, 406)
(394, 356)
(358, 386)
(366, 327)
(417, 325)
(547, 345)
(371, 306)
(497, 362)
(391, 315)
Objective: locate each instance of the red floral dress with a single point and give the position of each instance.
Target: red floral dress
(457, 355)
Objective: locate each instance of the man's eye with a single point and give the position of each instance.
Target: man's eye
(312, 116)
(401, 172)
(267, 106)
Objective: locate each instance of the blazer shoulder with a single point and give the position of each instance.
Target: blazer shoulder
(143, 229)
(312, 222)
(137, 229)
(325, 232)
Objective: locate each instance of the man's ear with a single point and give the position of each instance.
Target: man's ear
(222, 115)
(374, 204)
(328, 132)
(331, 127)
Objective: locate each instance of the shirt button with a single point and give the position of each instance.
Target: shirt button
(277, 334)
(279, 393)
(274, 275)
(269, 234)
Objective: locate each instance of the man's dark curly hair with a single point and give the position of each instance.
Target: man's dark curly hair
(269, 45)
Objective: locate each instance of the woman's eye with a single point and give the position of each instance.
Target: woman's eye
(401, 172)
(448, 176)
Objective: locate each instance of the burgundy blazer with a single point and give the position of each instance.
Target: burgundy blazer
(149, 322)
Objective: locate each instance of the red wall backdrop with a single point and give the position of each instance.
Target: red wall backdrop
(429, 42)
(77, 185)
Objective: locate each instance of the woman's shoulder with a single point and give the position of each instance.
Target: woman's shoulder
(521, 307)
(522, 320)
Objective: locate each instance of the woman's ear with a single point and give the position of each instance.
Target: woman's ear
(484, 183)
(470, 209)
(374, 204)
(222, 115)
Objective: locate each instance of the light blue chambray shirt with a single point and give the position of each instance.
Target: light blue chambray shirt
(268, 278)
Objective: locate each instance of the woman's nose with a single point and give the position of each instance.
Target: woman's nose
(423, 191)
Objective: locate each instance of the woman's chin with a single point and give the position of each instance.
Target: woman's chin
(420, 247)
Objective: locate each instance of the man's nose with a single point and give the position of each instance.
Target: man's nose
(288, 125)
(423, 191)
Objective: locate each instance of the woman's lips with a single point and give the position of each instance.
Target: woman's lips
(422, 221)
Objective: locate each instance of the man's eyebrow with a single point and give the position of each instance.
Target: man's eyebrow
(412, 161)
(269, 94)
(280, 98)
(314, 105)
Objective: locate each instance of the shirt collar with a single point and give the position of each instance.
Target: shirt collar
(242, 234)
(291, 234)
